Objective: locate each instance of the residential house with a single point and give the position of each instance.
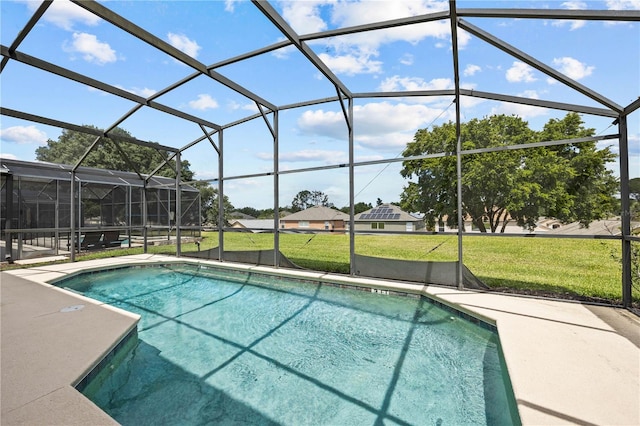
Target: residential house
(254, 225)
(316, 218)
(388, 218)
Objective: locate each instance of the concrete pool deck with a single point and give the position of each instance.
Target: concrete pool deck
(569, 363)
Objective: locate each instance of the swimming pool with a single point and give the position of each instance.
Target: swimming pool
(222, 347)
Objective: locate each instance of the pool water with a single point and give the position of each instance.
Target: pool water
(256, 350)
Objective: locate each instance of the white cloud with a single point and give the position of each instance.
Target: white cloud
(351, 64)
(397, 83)
(623, 4)
(471, 69)
(204, 102)
(520, 72)
(229, 5)
(573, 68)
(8, 156)
(380, 125)
(522, 111)
(24, 135)
(531, 94)
(233, 105)
(184, 44)
(304, 16)
(284, 52)
(64, 14)
(317, 155)
(352, 54)
(91, 49)
(144, 91)
(573, 24)
(407, 59)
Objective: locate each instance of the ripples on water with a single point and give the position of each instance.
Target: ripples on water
(293, 353)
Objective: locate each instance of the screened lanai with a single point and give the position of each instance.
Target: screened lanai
(254, 149)
(112, 209)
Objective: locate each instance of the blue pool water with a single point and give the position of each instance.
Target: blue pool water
(251, 349)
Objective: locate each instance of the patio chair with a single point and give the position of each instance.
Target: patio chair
(111, 239)
(91, 240)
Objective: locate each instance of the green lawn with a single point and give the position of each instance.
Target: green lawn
(564, 267)
(559, 267)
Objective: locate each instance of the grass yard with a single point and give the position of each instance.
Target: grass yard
(569, 268)
(563, 267)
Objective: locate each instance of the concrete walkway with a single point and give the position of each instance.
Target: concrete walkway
(568, 363)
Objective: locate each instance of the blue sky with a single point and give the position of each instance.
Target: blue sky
(603, 56)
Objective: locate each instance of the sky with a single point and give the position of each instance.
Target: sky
(603, 56)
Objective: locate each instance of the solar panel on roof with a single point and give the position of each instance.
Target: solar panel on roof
(396, 216)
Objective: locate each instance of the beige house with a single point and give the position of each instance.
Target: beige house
(316, 218)
(388, 218)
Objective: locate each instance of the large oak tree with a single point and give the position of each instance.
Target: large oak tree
(569, 182)
(72, 145)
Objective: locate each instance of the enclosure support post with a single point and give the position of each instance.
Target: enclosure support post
(144, 217)
(57, 219)
(625, 211)
(456, 77)
(130, 214)
(72, 237)
(352, 231)
(276, 192)
(79, 217)
(178, 221)
(8, 202)
(220, 197)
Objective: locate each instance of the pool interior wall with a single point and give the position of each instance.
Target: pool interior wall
(94, 381)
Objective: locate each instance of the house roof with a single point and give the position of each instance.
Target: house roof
(317, 213)
(253, 223)
(385, 213)
(240, 215)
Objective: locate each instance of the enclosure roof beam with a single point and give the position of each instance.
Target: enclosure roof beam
(249, 55)
(86, 154)
(88, 130)
(96, 84)
(632, 107)
(160, 166)
(208, 136)
(333, 33)
(541, 144)
(405, 94)
(585, 15)
(136, 31)
(288, 32)
(540, 103)
(26, 30)
(449, 92)
(421, 19)
(529, 60)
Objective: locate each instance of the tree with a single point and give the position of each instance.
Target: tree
(71, 146)
(305, 199)
(569, 182)
(210, 206)
(634, 188)
(357, 208)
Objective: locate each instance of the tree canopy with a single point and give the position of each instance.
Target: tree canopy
(72, 145)
(634, 188)
(569, 182)
(305, 199)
